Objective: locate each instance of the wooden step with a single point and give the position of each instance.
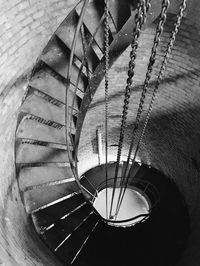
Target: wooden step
(42, 197)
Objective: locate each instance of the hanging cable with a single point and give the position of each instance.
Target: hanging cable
(106, 28)
(161, 72)
(159, 30)
(140, 18)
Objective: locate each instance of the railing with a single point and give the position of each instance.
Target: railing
(70, 103)
(143, 187)
(71, 136)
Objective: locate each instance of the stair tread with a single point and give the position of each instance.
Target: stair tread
(41, 197)
(35, 176)
(66, 33)
(86, 184)
(91, 19)
(31, 129)
(64, 227)
(120, 12)
(57, 55)
(48, 216)
(68, 251)
(37, 106)
(142, 171)
(97, 177)
(133, 170)
(30, 153)
(45, 82)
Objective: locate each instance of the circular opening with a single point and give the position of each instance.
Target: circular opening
(134, 204)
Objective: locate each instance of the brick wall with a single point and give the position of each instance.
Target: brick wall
(172, 140)
(25, 28)
(171, 143)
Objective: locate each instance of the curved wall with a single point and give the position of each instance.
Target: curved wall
(25, 28)
(171, 143)
(172, 140)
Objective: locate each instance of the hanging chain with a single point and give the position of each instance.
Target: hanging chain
(159, 30)
(106, 95)
(161, 72)
(140, 19)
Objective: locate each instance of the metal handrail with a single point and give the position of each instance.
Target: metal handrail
(148, 188)
(67, 118)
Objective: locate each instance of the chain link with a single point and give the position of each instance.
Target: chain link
(159, 30)
(106, 95)
(140, 19)
(162, 69)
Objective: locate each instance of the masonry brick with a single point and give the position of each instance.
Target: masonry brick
(21, 21)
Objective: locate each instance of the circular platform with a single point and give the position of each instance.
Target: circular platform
(134, 203)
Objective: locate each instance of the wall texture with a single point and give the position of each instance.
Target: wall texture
(171, 143)
(25, 28)
(172, 139)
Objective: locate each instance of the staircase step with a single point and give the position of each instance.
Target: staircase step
(88, 186)
(50, 215)
(66, 33)
(32, 129)
(120, 12)
(133, 170)
(31, 153)
(42, 197)
(142, 171)
(69, 249)
(45, 82)
(35, 176)
(94, 22)
(74, 99)
(37, 106)
(57, 55)
(64, 227)
(97, 177)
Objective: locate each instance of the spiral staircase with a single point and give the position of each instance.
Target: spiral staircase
(68, 72)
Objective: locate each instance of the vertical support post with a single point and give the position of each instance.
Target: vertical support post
(100, 147)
